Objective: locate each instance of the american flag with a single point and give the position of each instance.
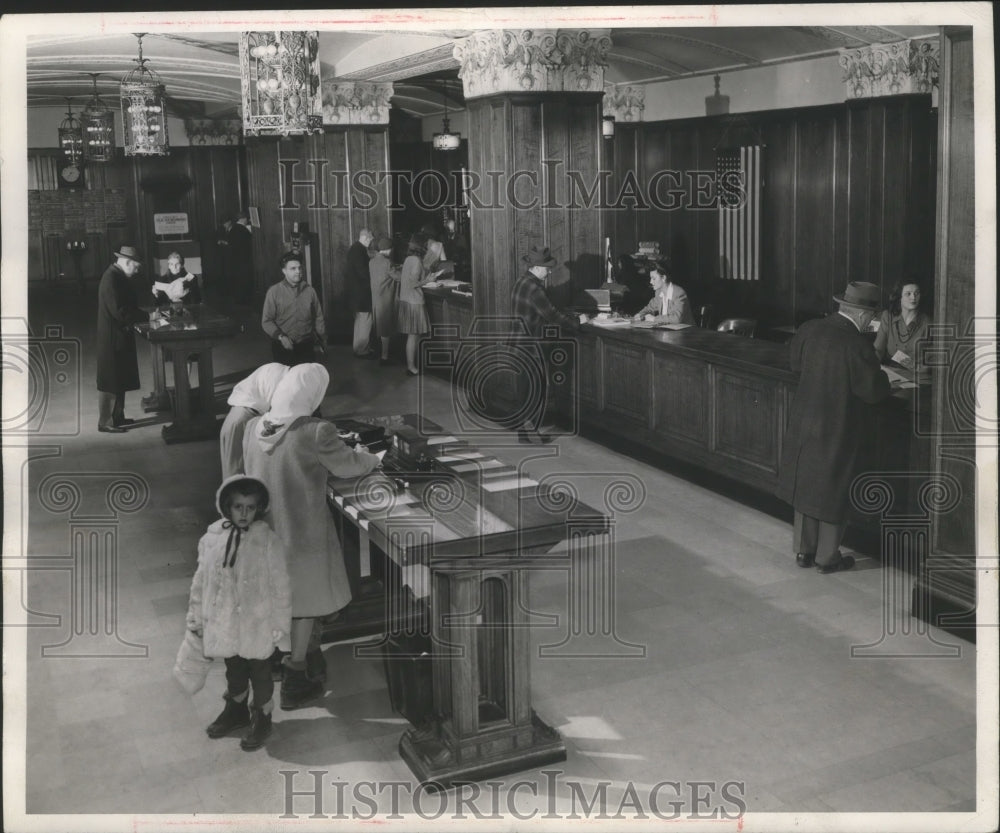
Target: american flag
(738, 185)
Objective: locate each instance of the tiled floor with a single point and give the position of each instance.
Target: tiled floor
(747, 677)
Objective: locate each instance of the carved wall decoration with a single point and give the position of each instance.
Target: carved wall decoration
(624, 103)
(355, 102)
(214, 131)
(891, 68)
(533, 60)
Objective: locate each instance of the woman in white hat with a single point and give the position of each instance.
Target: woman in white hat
(295, 453)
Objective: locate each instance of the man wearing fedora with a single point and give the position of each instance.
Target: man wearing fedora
(533, 307)
(117, 364)
(839, 376)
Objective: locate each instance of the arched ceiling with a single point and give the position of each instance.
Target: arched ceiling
(201, 72)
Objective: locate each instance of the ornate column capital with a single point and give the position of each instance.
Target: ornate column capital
(624, 103)
(355, 102)
(533, 60)
(907, 66)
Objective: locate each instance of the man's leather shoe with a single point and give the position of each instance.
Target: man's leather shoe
(120, 421)
(805, 559)
(110, 429)
(845, 563)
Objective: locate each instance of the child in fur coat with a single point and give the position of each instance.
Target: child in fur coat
(241, 605)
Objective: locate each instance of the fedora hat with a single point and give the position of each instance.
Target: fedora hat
(861, 295)
(130, 252)
(383, 243)
(539, 256)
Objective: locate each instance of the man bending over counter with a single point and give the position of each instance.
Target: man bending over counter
(669, 304)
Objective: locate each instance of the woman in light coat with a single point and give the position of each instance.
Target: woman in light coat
(295, 453)
(250, 398)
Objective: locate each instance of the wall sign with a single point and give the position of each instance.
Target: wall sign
(171, 223)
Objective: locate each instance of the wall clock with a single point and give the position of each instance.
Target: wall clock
(70, 176)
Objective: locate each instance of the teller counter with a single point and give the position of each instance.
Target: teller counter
(721, 402)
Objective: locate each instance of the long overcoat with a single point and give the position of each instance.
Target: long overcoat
(295, 465)
(357, 279)
(840, 377)
(117, 311)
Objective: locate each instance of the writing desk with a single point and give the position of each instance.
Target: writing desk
(197, 331)
(465, 535)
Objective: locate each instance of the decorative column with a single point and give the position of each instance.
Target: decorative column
(534, 102)
(879, 69)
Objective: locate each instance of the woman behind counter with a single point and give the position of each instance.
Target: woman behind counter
(902, 326)
(669, 304)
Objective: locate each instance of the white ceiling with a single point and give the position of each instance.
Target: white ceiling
(201, 72)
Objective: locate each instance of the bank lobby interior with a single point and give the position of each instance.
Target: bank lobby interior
(814, 693)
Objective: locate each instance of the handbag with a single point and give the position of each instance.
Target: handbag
(191, 666)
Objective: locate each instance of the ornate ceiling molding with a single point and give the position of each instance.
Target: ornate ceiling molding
(624, 103)
(421, 63)
(533, 60)
(908, 66)
(355, 102)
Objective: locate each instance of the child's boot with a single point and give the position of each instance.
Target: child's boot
(297, 690)
(235, 715)
(316, 666)
(260, 727)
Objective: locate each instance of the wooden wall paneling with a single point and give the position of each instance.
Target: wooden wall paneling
(586, 239)
(264, 192)
(864, 177)
(778, 244)
(918, 253)
(555, 117)
(814, 281)
(707, 244)
(653, 153)
(898, 143)
(681, 229)
(332, 228)
(625, 222)
(842, 217)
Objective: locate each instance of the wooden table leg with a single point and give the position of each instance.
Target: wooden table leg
(159, 397)
(484, 724)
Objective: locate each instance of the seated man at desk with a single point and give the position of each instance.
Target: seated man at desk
(177, 285)
(669, 304)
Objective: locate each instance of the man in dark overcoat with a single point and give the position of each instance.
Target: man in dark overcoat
(839, 375)
(359, 293)
(117, 364)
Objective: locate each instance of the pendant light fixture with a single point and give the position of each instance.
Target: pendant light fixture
(446, 140)
(71, 136)
(98, 122)
(280, 81)
(144, 110)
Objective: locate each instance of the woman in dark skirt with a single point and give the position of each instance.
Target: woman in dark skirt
(411, 313)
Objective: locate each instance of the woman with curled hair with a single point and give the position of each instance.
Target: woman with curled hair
(411, 312)
(902, 325)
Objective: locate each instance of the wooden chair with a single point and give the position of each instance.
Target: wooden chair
(745, 327)
(705, 314)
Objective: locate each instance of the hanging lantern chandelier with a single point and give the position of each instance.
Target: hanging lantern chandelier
(280, 80)
(98, 123)
(446, 140)
(71, 136)
(144, 111)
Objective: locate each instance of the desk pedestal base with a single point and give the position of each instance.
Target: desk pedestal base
(437, 760)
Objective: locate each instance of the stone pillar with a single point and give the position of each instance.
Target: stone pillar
(534, 103)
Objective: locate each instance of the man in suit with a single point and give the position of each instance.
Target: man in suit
(840, 376)
(117, 363)
(532, 306)
(359, 292)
